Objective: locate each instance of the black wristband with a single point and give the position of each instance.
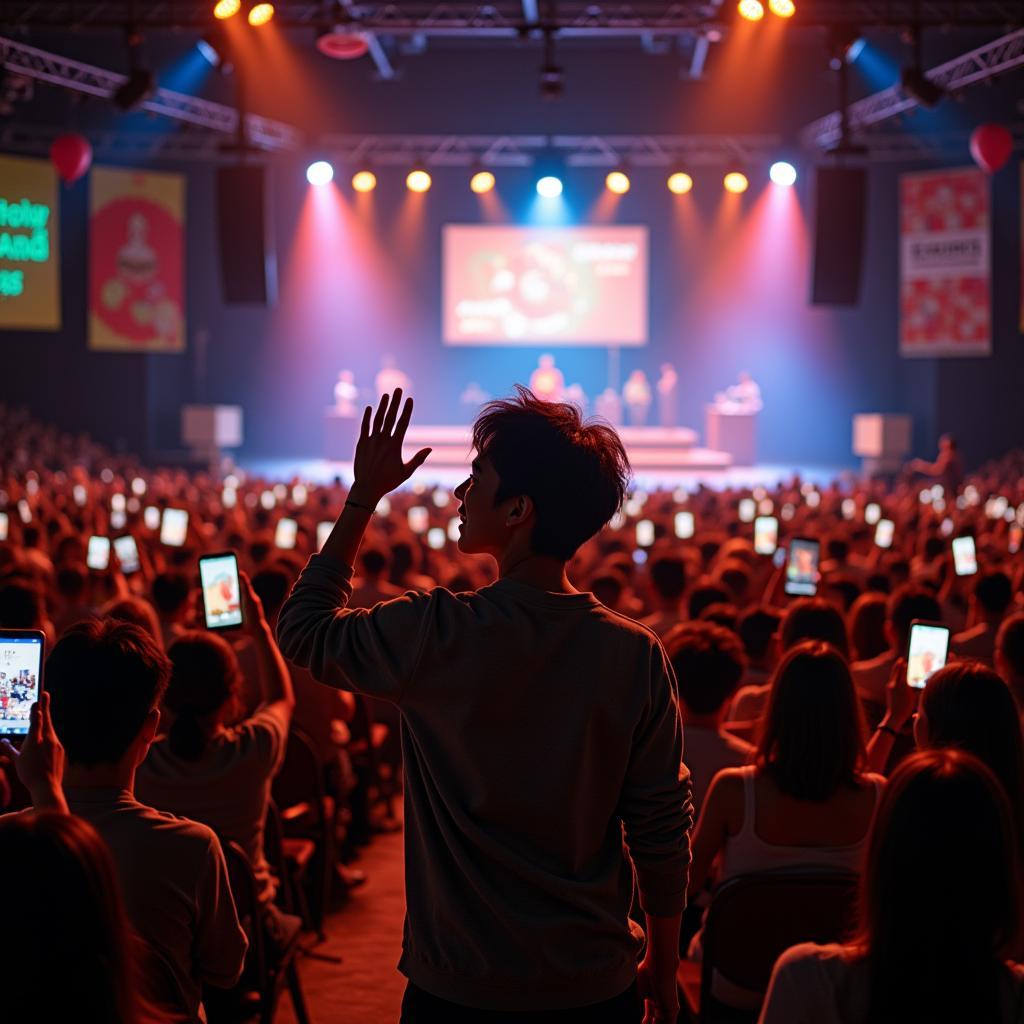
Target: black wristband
(355, 504)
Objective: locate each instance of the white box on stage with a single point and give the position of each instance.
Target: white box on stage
(732, 432)
(208, 428)
(882, 440)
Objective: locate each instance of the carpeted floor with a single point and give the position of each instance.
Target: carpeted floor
(367, 933)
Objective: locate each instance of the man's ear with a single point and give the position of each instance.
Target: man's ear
(519, 511)
(151, 725)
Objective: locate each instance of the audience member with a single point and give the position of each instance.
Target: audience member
(989, 604)
(668, 585)
(1009, 656)
(866, 627)
(172, 599)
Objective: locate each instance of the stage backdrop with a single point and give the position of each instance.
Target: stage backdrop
(29, 245)
(945, 294)
(136, 261)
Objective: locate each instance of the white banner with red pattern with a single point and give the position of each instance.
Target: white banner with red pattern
(945, 271)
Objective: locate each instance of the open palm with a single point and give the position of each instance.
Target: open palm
(379, 467)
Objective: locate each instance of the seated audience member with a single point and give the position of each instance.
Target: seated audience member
(921, 955)
(21, 607)
(808, 618)
(403, 570)
(757, 628)
(105, 681)
(172, 599)
(705, 591)
(708, 661)
(372, 585)
(1009, 656)
(807, 801)
(841, 590)
(206, 769)
(866, 627)
(991, 600)
(725, 615)
(735, 577)
(135, 610)
(608, 587)
(72, 602)
(667, 573)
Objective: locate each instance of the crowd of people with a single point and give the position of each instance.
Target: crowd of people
(663, 694)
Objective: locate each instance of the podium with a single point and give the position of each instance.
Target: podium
(732, 432)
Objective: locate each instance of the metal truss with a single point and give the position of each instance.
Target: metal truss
(987, 61)
(43, 66)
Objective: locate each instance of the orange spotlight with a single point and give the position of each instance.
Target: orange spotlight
(226, 8)
(418, 180)
(680, 183)
(782, 8)
(617, 182)
(364, 181)
(735, 182)
(752, 10)
(482, 182)
(260, 14)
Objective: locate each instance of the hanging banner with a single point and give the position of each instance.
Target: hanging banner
(945, 279)
(29, 245)
(136, 261)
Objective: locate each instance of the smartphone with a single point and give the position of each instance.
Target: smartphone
(323, 531)
(286, 533)
(151, 517)
(946, 527)
(802, 567)
(872, 513)
(268, 499)
(436, 538)
(419, 519)
(926, 651)
(639, 557)
(1013, 541)
(4, 525)
(747, 510)
(965, 558)
(138, 486)
(98, 553)
(645, 533)
(21, 677)
(766, 535)
(78, 492)
(779, 557)
(24, 511)
(684, 525)
(884, 532)
(299, 494)
(222, 602)
(849, 508)
(118, 520)
(174, 527)
(127, 554)
(117, 502)
(229, 497)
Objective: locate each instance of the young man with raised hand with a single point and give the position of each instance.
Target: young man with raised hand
(540, 729)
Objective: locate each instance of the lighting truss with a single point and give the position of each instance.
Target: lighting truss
(261, 132)
(987, 61)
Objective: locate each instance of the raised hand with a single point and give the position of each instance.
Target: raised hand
(40, 762)
(378, 466)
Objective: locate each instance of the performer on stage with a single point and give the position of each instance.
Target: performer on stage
(743, 398)
(668, 393)
(636, 394)
(547, 382)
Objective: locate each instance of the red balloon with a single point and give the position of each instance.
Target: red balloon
(991, 146)
(72, 156)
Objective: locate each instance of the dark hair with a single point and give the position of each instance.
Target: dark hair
(271, 584)
(845, 587)
(994, 592)
(909, 602)
(668, 576)
(137, 611)
(170, 591)
(204, 677)
(608, 586)
(968, 706)
(575, 473)
(705, 592)
(735, 578)
(812, 737)
(867, 627)
(756, 627)
(1010, 643)
(709, 663)
(70, 581)
(721, 614)
(813, 618)
(104, 678)
(21, 606)
(67, 948)
(931, 958)
(837, 549)
(373, 559)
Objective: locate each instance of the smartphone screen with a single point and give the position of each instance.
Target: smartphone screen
(747, 510)
(286, 533)
(229, 497)
(965, 559)
(151, 517)
(98, 554)
(766, 535)
(645, 533)
(802, 568)
(222, 603)
(21, 674)
(779, 558)
(849, 508)
(299, 494)
(4, 525)
(127, 554)
(872, 513)
(684, 525)
(1014, 540)
(419, 519)
(946, 527)
(926, 651)
(884, 532)
(174, 527)
(24, 511)
(436, 538)
(323, 531)
(78, 492)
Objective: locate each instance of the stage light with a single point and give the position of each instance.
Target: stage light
(617, 182)
(680, 183)
(752, 10)
(783, 173)
(735, 182)
(364, 181)
(782, 8)
(260, 14)
(215, 52)
(223, 9)
(320, 172)
(549, 187)
(418, 180)
(481, 182)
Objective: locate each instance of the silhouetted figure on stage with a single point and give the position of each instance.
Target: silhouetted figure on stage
(636, 395)
(668, 395)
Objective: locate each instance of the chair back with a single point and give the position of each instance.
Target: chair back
(247, 902)
(300, 779)
(755, 918)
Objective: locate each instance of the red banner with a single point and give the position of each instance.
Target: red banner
(945, 290)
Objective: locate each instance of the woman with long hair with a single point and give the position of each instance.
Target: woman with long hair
(939, 909)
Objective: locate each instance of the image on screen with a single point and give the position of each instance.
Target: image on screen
(286, 533)
(221, 599)
(965, 559)
(21, 660)
(127, 553)
(174, 527)
(927, 653)
(802, 568)
(766, 535)
(98, 554)
(544, 285)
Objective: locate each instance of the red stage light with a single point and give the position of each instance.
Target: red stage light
(260, 14)
(680, 183)
(735, 182)
(482, 182)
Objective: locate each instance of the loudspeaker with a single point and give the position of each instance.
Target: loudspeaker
(248, 268)
(841, 195)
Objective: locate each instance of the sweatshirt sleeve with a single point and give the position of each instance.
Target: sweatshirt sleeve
(656, 807)
(373, 651)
